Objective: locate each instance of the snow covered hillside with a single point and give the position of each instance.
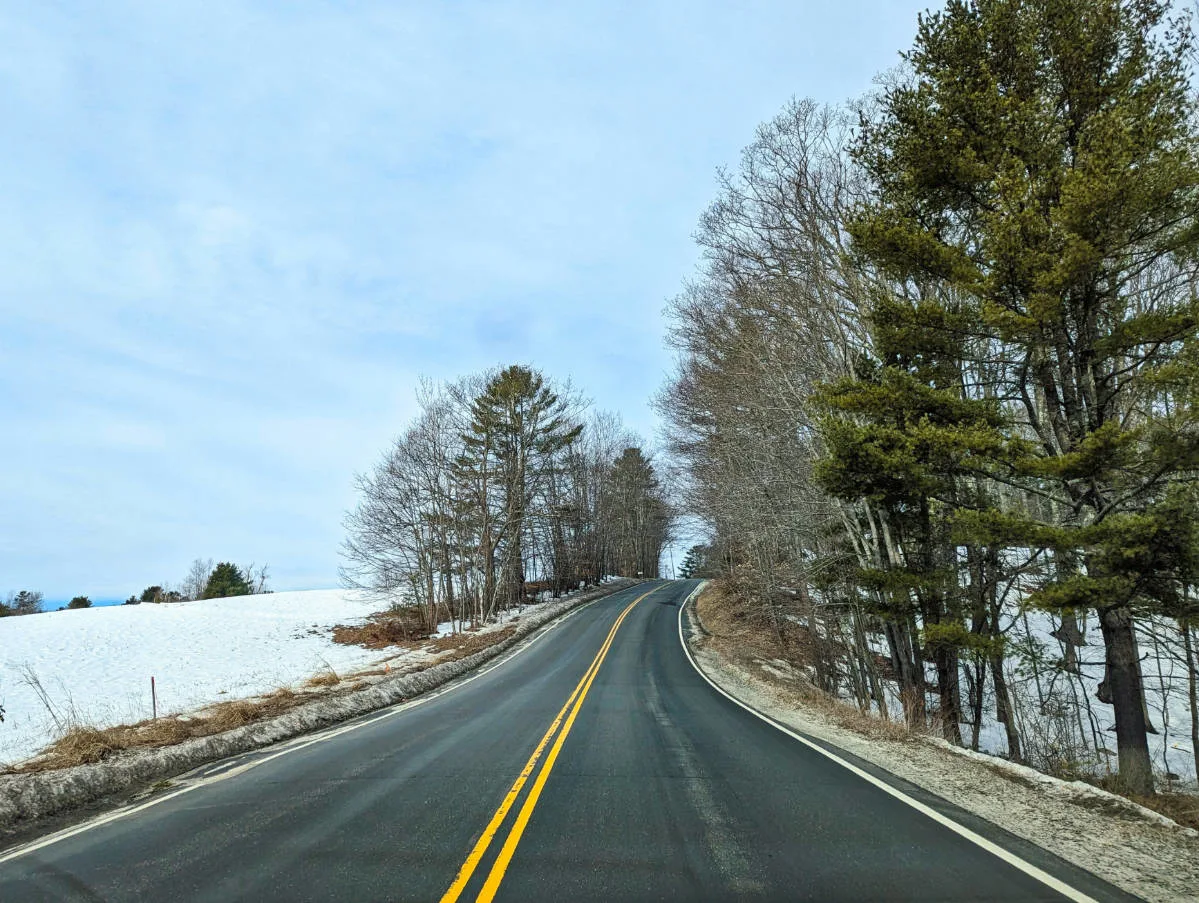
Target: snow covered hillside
(94, 665)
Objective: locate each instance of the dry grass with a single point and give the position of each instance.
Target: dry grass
(1182, 807)
(397, 627)
(328, 678)
(83, 745)
(463, 644)
(743, 634)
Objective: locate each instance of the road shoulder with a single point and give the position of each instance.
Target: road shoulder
(33, 805)
(1138, 852)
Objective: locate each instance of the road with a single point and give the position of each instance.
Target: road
(595, 763)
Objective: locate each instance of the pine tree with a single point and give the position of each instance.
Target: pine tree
(518, 425)
(694, 563)
(226, 580)
(639, 514)
(1041, 159)
(80, 602)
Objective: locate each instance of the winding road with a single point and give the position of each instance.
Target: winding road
(594, 762)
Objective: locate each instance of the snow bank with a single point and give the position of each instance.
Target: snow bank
(95, 664)
(27, 797)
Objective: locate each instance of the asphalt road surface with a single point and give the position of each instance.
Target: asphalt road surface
(595, 763)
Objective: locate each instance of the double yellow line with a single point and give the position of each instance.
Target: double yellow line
(573, 704)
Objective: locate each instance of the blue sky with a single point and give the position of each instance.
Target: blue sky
(233, 235)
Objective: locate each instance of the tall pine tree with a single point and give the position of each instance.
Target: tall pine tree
(1041, 158)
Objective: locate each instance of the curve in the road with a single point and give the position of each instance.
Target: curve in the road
(649, 785)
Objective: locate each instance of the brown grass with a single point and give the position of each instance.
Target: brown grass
(397, 627)
(83, 745)
(328, 678)
(742, 633)
(1182, 807)
(463, 644)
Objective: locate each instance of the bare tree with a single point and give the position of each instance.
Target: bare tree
(192, 586)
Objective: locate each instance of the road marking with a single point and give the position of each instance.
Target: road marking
(975, 838)
(573, 704)
(296, 743)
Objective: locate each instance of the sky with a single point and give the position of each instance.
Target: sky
(234, 235)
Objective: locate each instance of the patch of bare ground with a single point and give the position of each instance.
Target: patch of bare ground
(748, 639)
(394, 627)
(460, 645)
(1138, 850)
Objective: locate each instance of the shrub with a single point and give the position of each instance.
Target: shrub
(80, 602)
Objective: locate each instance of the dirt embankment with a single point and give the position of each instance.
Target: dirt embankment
(1132, 847)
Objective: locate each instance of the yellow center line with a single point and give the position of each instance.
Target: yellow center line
(492, 884)
(493, 826)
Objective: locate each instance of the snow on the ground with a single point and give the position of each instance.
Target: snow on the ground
(95, 664)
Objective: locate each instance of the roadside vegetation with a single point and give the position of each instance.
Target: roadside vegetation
(505, 489)
(936, 388)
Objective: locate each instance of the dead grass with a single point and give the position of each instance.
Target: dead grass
(83, 745)
(396, 627)
(1182, 807)
(328, 678)
(744, 635)
(463, 644)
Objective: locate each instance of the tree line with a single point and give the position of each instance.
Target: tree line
(938, 374)
(503, 487)
(205, 580)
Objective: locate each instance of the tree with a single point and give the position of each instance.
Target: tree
(257, 577)
(226, 580)
(497, 488)
(518, 426)
(80, 602)
(640, 515)
(1042, 159)
(694, 562)
(197, 578)
(25, 602)
(151, 594)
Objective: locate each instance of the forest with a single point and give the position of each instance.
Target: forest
(505, 487)
(935, 391)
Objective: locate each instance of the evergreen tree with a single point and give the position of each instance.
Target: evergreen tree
(26, 602)
(694, 563)
(226, 580)
(1041, 160)
(80, 602)
(518, 425)
(640, 518)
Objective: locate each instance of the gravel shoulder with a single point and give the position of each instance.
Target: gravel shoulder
(1136, 850)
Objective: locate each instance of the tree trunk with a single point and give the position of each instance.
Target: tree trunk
(1124, 686)
(948, 694)
(1003, 708)
(909, 672)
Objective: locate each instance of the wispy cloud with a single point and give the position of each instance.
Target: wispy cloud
(234, 235)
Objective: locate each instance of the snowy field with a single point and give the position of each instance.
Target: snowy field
(1057, 709)
(95, 664)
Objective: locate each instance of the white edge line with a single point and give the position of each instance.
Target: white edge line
(977, 839)
(294, 744)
